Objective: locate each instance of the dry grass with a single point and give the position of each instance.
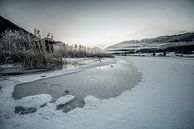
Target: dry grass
(29, 51)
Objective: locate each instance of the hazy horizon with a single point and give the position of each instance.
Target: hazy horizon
(101, 23)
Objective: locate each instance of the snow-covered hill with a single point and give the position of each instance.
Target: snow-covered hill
(177, 43)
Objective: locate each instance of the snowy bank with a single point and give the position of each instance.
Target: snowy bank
(34, 101)
(163, 100)
(64, 99)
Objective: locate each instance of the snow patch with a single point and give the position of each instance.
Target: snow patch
(34, 101)
(64, 99)
(91, 100)
(5, 66)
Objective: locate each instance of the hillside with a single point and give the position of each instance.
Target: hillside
(181, 42)
(5, 24)
(159, 40)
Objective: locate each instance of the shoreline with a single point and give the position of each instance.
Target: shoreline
(103, 82)
(165, 95)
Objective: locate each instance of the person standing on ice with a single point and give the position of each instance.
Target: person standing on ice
(99, 59)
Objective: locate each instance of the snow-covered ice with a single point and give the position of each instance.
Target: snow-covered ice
(34, 101)
(64, 99)
(10, 66)
(34, 77)
(162, 100)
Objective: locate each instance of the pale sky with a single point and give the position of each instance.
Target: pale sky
(101, 22)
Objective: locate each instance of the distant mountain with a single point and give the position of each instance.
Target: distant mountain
(172, 38)
(186, 37)
(183, 43)
(5, 24)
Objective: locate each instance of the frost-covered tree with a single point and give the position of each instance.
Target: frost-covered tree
(27, 50)
(12, 44)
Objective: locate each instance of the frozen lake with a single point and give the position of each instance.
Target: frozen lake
(162, 100)
(102, 82)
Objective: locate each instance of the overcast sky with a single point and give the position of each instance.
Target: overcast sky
(101, 22)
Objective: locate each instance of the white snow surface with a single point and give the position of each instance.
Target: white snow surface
(162, 100)
(10, 66)
(64, 99)
(34, 101)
